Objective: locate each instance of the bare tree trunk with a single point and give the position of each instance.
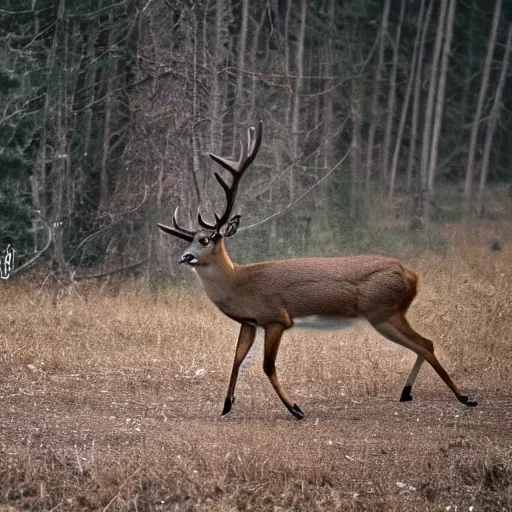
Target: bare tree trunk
(385, 174)
(464, 110)
(196, 161)
(254, 62)
(493, 121)
(216, 93)
(104, 180)
(287, 64)
(59, 168)
(470, 171)
(299, 63)
(438, 118)
(39, 181)
(405, 104)
(416, 102)
(355, 152)
(239, 102)
(429, 111)
(376, 95)
(90, 79)
(328, 115)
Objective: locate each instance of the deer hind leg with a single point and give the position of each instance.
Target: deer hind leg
(244, 344)
(398, 330)
(273, 335)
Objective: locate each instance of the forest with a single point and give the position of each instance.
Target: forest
(380, 118)
(387, 128)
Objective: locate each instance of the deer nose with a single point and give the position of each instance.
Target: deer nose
(187, 258)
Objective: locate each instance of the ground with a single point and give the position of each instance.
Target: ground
(112, 401)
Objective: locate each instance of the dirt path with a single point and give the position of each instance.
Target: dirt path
(166, 448)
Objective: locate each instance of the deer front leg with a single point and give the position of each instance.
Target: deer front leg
(406, 391)
(273, 335)
(244, 344)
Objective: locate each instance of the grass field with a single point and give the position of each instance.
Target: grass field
(112, 401)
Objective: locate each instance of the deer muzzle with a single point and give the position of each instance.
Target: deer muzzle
(189, 259)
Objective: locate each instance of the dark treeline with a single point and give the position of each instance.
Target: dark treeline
(109, 107)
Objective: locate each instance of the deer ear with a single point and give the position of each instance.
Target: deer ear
(232, 226)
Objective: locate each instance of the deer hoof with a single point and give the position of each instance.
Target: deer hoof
(467, 400)
(406, 394)
(297, 413)
(227, 405)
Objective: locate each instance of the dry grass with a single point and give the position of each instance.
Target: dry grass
(113, 402)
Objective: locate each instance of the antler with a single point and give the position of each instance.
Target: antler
(247, 155)
(177, 230)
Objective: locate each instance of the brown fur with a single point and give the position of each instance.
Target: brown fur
(272, 294)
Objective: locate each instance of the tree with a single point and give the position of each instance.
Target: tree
(405, 106)
(375, 108)
(470, 171)
(429, 111)
(493, 121)
(440, 95)
(391, 100)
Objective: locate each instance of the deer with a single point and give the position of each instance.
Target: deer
(331, 292)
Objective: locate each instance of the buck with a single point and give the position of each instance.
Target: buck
(308, 292)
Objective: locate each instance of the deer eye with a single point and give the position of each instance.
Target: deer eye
(204, 241)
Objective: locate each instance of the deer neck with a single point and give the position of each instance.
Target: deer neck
(218, 273)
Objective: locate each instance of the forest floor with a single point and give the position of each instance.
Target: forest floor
(112, 400)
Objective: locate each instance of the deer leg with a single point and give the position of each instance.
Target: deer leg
(406, 392)
(398, 330)
(273, 335)
(243, 345)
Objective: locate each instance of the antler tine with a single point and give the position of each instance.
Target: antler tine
(248, 152)
(250, 138)
(205, 224)
(178, 227)
(243, 155)
(227, 164)
(254, 136)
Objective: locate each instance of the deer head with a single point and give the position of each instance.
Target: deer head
(208, 240)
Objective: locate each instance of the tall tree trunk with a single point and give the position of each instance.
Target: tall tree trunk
(464, 110)
(104, 179)
(493, 121)
(299, 66)
(355, 152)
(254, 62)
(405, 104)
(439, 110)
(385, 174)
(375, 113)
(59, 167)
(240, 79)
(196, 141)
(90, 85)
(104, 200)
(216, 92)
(299, 63)
(328, 107)
(429, 111)
(470, 168)
(288, 65)
(416, 101)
